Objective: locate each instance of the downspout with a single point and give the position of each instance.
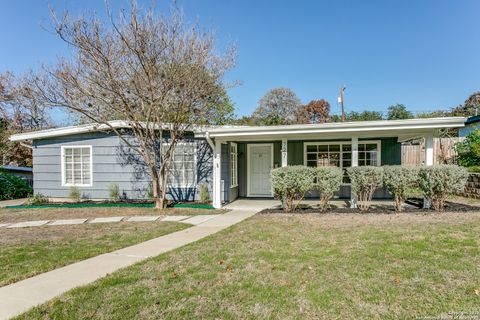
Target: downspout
(26, 145)
(209, 140)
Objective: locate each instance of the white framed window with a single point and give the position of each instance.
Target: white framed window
(77, 166)
(183, 166)
(233, 165)
(339, 154)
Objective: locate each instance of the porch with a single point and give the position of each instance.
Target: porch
(244, 156)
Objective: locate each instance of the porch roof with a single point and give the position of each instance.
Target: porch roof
(403, 129)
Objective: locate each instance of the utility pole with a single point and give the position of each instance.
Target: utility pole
(340, 100)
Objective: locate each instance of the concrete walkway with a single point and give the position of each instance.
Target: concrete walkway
(23, 295)
(16, 202)
(192, 219)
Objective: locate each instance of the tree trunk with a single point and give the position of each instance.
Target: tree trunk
(158, 195)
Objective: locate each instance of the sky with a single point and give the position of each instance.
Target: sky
(424, 54)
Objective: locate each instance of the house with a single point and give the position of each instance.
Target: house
(232, 161)
(26, 173)
(471, 124)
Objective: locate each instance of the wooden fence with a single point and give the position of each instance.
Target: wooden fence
(443, 152)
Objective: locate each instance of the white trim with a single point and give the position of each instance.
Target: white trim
(248, 165)
(339, 127)
(237, 131)
(284, 152)
(217, 183)
(62, 165)
(428, 153)
(233, 144)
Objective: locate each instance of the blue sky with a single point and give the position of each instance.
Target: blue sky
(425, 54)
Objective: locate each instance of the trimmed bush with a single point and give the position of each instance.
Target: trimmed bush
(365, 181)
(114, 192)
(327, 182)
(290, 184)
(437, 182)
(13, 187)
(75, 194)
(399, 180)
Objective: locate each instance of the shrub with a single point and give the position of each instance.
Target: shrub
(327, 182)
(365, 181)
(114, 192)
(75, 194)
(399, 180)
(469, 149)
(37, 199)
(290, 184)
(437, 182)
(13, 187)
(203, 194)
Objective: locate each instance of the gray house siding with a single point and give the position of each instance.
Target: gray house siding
(110, 165)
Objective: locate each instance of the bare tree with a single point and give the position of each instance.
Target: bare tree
(157, 73)
(20, 111)
(278, 106)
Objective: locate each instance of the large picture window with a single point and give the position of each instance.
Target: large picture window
(339, 154)
(77, 166)
(182, 167)
(233, 165)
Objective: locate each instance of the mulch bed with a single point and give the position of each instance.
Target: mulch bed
(414, 206)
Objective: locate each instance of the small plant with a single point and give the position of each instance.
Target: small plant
(114, 192)
(365, 181)
(437, 182)
(290, 184)
(37, 199)
(399, 180)
(75, 194)
(203, 194)
(327, 182)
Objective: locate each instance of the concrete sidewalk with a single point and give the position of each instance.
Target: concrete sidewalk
(23, 295)
(16, 202)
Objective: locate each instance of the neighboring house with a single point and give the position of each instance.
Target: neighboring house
(233, 161)
(471, 124)
(26, 173)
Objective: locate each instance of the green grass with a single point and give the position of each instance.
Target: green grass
(26, 252)
(294, 267)
(109, 205)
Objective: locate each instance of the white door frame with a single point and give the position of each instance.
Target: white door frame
(249, 145)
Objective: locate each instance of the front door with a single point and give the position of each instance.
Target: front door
(260, 163)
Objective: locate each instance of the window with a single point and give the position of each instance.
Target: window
(182, 167)
(233, 165)
(339, 154)
(77, 166)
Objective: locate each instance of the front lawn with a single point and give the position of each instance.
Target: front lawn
(344, 266)
(25, 252)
